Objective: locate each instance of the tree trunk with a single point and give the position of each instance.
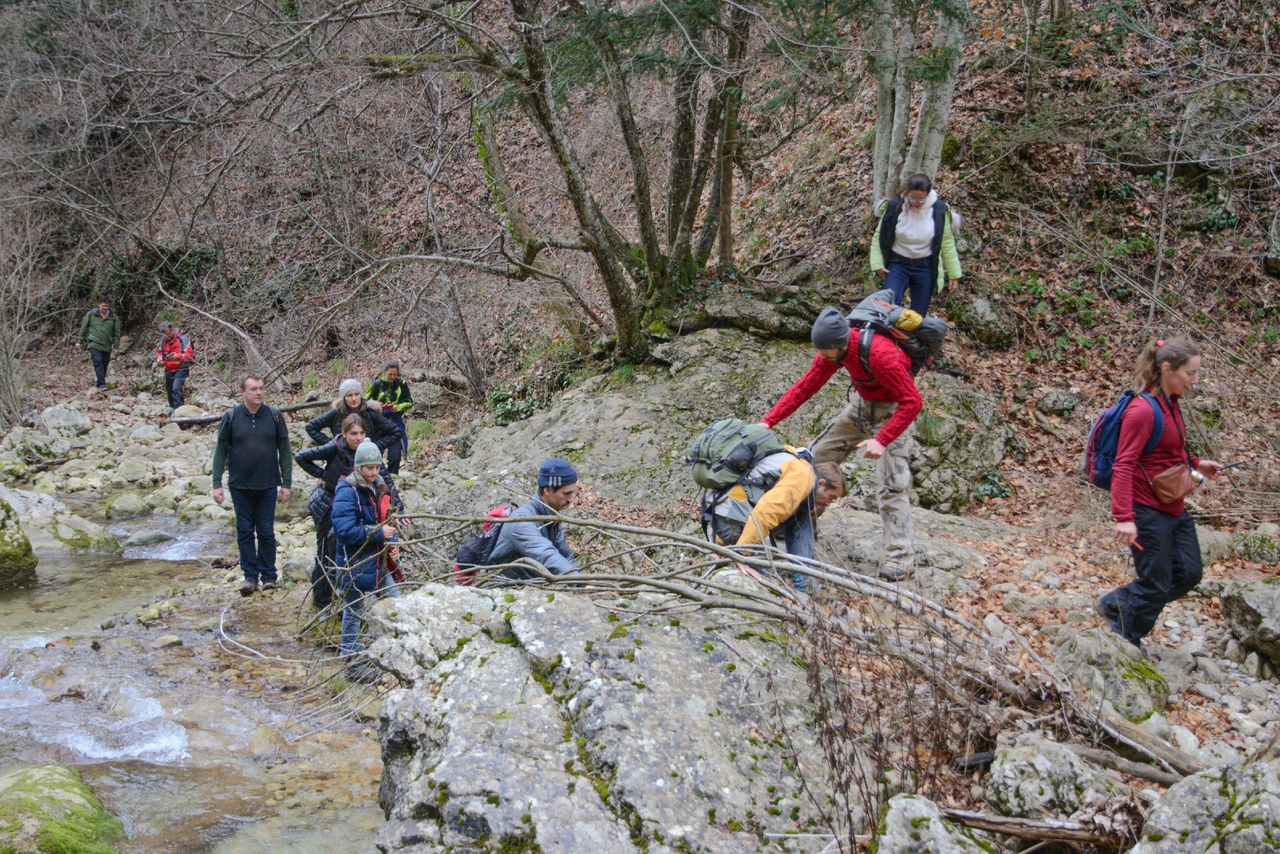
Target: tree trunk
(938, 92)
(462, 354)
(893, 41)
(738, 33)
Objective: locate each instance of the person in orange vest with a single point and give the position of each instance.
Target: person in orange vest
(176, 353)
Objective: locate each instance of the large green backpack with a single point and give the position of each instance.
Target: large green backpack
(727, 450)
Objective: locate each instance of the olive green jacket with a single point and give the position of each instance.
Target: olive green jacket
(100, 333)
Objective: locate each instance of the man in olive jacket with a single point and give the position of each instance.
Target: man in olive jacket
(100, 330)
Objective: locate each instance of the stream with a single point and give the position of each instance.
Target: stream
(194, 745)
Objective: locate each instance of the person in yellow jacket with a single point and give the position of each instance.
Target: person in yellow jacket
(915, 245)
(780, 496)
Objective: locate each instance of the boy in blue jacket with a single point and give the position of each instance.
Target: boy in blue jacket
(541, 541)
(367, 548)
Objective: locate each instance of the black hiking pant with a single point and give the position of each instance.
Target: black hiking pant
(101, 361)
(1168, 567)
(322, 567)
(173, 383)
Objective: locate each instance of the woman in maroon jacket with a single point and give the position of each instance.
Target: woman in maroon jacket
(1161, 537)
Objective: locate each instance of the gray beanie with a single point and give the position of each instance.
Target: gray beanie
(830, 330)
(368, 455)
(349, 386)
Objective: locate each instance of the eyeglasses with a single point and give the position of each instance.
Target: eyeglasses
(917, 202)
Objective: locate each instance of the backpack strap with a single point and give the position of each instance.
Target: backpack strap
(1157, 427)
(864, 353)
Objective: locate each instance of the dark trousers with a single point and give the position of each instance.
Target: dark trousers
(916, 273)
(173, 383)
(101, 361)
(397, 451)
(1168, 568)
(255, 532)
(322, 568)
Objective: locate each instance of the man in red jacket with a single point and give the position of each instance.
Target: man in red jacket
(176, 354)
(878, 422)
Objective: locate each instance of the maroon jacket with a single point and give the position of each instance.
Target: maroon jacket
(890, 381)
(1133, 471)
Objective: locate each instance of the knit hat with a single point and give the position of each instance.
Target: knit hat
(368, 454)
(830, 330)
(555, 473)
(349, 386)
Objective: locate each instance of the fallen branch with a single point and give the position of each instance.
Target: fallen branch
(1107, 759)
(1056, 830)
(1135, 736)
(213, 419)
(1047, 426)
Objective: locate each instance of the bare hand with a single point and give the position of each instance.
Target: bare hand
(1127, 533)
(388, 531)
(748, 571)
(884, 274)
(1209, 468)
(320, 482)
(285, 494)
(871, 449)
(77, 345)
(219, 495)
(952, 282)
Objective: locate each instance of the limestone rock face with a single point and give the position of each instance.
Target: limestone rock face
(988, 326)
(62, 419)
(546, 720)
(913, 825)
(17, 560)
(1034, 778)
(1231, 810)
(960, 439)
(49, 808)
(52, 528)
(1111, 670)
(1252, 610)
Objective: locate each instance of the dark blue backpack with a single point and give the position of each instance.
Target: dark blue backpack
(1104, 438)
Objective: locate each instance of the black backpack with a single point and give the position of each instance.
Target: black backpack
(475, 552)
(879, 313)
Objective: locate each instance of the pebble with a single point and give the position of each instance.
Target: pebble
(1207, 691)
(1210, 669)
(166, 641)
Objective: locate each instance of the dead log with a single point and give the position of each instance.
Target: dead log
(213, 419)
(453, 382)
(1107, 759)
(1054, 830)
(1135, 736)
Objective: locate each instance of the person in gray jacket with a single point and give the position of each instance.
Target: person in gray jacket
(541, 541)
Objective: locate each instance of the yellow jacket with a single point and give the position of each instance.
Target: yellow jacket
(794, 485)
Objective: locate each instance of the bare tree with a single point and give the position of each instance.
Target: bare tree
(20, 255)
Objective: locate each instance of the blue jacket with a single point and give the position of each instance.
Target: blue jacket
(542, 541)
(358, 528)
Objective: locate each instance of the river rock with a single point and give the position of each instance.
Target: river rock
(62, 419)
(126, 506)
(1112, 670)
(1227, 810)
(1057, 401)
(49, 808)
(138, 539)
(29, 442)
(52, 528)
(1252, 612)
(1033, 777)
(1259, 546)
(187, 410)
(134, 470)
(913, 825)
(17, 560)
(546, 721)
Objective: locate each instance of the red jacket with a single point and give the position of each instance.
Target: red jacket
(1133, 470)
(890, 381)
(175, 352)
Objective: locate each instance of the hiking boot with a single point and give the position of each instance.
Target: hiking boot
(268, 585)
(889, 572)
(247, 587)
(1109, 609)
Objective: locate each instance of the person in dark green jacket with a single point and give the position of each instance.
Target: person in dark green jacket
(100, 331)
(393, 394)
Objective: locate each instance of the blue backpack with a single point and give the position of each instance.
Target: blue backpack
(1104, 438)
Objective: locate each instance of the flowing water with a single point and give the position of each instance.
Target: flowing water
(180, 740)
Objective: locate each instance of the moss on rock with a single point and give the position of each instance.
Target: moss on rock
(17, 560)
(49, 809)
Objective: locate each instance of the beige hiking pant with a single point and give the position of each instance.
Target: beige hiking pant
(862, 419)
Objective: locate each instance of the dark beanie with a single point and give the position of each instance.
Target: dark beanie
(830, 330)
(555, 473)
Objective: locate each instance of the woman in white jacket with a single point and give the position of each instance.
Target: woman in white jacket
(915, 245)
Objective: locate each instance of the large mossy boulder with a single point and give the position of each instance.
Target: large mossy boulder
(986, 324)
(960, 440)
(17, 560)
(1252, 611)
(65, 420)
(1227, 810)
(52, 528)
(913, 824)
(1112, 670)
(1033, 777)
(49, 809)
